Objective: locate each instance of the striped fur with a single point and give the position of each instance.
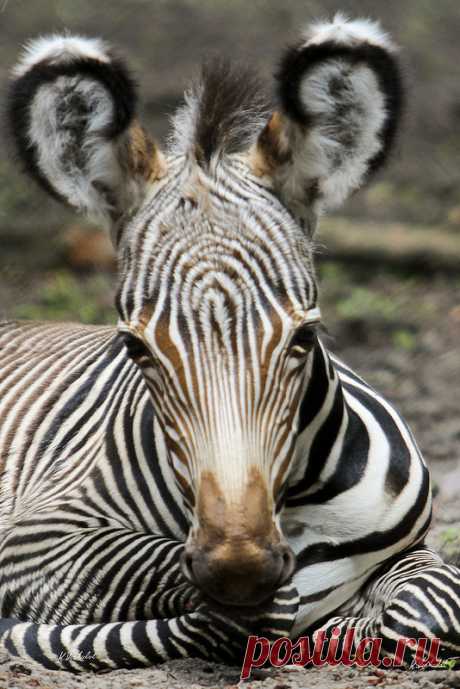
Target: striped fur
(208, 469)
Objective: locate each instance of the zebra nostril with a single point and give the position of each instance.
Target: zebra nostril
(289, 564)
(239, 581)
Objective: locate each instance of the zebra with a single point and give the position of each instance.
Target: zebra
(207, 469)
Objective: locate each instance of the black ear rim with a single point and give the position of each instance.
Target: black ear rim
(113, 75)
(299, 60)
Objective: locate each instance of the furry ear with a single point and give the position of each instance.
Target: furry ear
(71, 112)
(340, 94)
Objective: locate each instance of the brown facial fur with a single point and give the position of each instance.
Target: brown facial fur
(236, 555)
(272, 148)
(235, 530)
(144, 157)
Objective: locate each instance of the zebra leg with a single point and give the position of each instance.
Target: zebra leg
(204, 633)
(99, 574)
(110, 598)
(416, 597)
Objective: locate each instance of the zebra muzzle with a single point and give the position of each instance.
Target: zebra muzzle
(236, 554)
(246, 580)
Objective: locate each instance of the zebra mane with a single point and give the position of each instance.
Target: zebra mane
(224, 110)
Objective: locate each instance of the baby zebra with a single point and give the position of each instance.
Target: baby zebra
(207, 470)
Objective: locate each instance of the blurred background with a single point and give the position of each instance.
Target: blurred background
(388, 262)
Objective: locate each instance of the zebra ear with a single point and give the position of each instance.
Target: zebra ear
(71, 111)
(340, 94)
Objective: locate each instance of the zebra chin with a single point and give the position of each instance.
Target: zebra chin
(236, 554)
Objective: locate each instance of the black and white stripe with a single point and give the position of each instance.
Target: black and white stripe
(216, 369)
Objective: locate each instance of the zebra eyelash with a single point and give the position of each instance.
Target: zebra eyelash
(134, 346)
(304, 338)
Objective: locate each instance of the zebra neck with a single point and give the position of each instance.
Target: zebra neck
(323, 420)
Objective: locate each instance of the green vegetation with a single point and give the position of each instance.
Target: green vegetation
(364, 303)
(449, 541)
(451, 663)
(387, 305)
(66, 297)
(404, 339)
(450, 538)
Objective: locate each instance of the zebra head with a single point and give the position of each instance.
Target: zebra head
(217, 295)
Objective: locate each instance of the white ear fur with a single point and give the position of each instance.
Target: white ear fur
(72, 105)
(345, 31)
(347, 134)
(363, 104)
(60, 49)
(340, 93)
(77, 176)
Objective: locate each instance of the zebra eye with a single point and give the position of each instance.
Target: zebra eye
(135, 348)
(303, 339)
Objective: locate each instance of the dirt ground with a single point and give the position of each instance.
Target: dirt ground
(405, 342)
(197, 674)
